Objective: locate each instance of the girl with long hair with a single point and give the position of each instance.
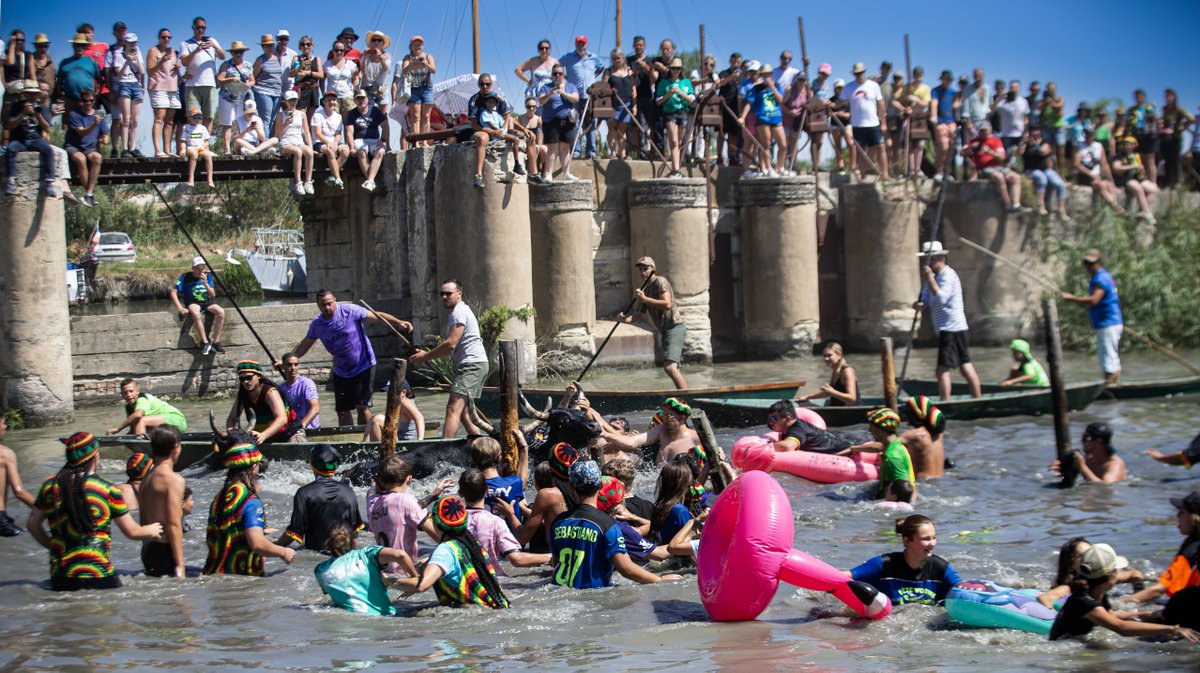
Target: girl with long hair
(459, 571)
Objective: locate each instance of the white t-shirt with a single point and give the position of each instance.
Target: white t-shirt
(244, 123)
(127, 69)
(293, 131)
(1012, 116)
(1089, 157)
(195, 135)
(331, 126)
(203, 69)
(340, 79)
(864, 103)
(784, 77)
(285, 60)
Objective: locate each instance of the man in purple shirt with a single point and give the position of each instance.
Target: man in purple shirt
(340, 329)
(300, 393)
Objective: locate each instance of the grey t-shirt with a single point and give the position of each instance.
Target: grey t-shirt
(470, 345)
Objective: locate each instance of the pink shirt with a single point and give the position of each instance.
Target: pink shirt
(493, 535)
(394, 521)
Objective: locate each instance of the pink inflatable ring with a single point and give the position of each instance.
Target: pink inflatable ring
(746, 549)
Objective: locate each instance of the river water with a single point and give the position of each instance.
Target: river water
(998, 518)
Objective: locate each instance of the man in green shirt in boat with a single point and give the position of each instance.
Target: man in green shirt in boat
(1026, 371)
(145, 411)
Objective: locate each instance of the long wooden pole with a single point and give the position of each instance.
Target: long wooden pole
(618, 24)
(510, 371)
(1054, 288)
(1058, 395)
(391, 418)
(475, 34)
(907, 90)
(888, 366)
(712, 450)
(611, 332)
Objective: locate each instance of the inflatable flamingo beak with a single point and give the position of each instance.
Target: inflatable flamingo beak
(875, 604)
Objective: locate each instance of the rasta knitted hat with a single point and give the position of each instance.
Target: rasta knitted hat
(450, 514)
(249, 366)
(585, 474)
(921, 412)
(701, 456)
(612, 493)
(81, 447)
(241, 456)
(562, 456)
(884, 419)
(678, 406)
(324, 460)
(138, 465)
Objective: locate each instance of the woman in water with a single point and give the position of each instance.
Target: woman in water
(1088, 606)
(353, 578)
(1068, 572)
(915, 575)
(1184, 571)
(842, 389)
(459, 571)
(670, 511)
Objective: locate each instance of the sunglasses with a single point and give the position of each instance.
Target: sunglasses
(544, 48)
(306, 44)
(530, 107)
(41, 45)
(339, 51)
(284, 38)
(377, 39)
(244, 379)
(164, 37)
(485, 84)
(87, 100)
(199, 27)
(557, 74)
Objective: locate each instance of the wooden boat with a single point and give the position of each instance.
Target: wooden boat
(1126, 390)
(323, 431)
(453, 451)
(747, 413)
(611, 402)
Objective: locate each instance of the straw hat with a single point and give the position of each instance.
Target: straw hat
(266, 39)
(238, 45)
(371, 34)
(81, 38)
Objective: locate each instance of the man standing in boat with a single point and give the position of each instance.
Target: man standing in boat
(1104, 312)
(340, 330)
(464, 344)
(943, 293)
(657, 303)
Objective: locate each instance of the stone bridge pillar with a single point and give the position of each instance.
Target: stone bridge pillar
(882, 230)
(35, 331)
(564, 289)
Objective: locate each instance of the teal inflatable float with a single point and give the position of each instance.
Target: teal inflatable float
(985, 605)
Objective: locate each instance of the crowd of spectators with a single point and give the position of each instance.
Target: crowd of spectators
(300, 105)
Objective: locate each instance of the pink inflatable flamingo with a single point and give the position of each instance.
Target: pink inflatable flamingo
(746, 549)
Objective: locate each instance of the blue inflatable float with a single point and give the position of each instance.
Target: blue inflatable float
(986, 605)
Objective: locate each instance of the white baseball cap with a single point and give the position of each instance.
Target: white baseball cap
(198, 261)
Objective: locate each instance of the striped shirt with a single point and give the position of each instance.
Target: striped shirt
(947, 304)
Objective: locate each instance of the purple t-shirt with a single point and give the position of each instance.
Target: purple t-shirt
(345, 339)
(297, 396)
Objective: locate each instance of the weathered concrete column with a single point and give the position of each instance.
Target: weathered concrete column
(564, 289)
(779, 266)
(35, 333)
(882, 237)
(483, 240)
(1000, 303)
(668, 221)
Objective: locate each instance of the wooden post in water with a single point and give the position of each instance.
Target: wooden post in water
(1058, 395)
(510, 371)
(387, 443)
(890, 396)
(708, 441)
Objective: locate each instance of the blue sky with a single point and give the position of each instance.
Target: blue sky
(1092, 49)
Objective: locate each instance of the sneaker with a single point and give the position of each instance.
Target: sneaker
(126, 154)
(331, 181)
(206, 349)
(547, 180)
(298, 188)
(1043, 211)
(519, 169)
(339, 184)
(8, 527)
(1150, 219)
(114, 155)
(308, 188)
(750, 173)
(536, 179)
(51, 189)
(567, 177)
(10, 187)
(216, 345)
(137, 154)
(1014, 208)
(89, 200)
(369, 185)
(478, 180)
(675, 174)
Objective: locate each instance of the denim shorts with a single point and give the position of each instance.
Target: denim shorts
(421, 95)
(130, 90)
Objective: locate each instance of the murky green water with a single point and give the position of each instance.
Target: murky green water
(998, 518)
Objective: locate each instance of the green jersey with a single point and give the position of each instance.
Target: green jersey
(1034, 368)
(152, 406)
(895, 466)
(354, 582)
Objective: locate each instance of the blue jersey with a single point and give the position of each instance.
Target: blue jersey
(676, 519)
(892, 575)
(509, 489)
(191, 289)
(1108, 312)
(582, 544)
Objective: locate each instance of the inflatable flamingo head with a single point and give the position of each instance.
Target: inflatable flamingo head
(753, 453)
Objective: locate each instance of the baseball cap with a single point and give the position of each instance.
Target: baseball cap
(825, 68)
(859, 67)
(1091, 256)
(283, 32)
(581, 38)
(416, 38)
(646, 261)
(131, 37)
(291, 94)
(1190, 503)
(198, 260)
(1100, 561)
(839, 82)
(753, 65)
(250, 106)
(324, 459)
(360, 94)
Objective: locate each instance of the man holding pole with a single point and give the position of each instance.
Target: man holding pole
(464, 345)
(943, 293)
(1104, 312)
(658, 304)
(340, 329)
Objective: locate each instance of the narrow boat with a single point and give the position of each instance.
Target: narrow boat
(610, 402)
(1126, 390)
(323, 431)
(725, 412)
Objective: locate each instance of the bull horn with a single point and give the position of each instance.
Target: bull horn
(478, 418)
(529, 410)
(530, 427)
(212, 422)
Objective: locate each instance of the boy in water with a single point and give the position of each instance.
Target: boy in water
(896, 464)
(485, 457)
(320, 504)
(164, 496)
(490, 530)
(136, 468)
(394, 514)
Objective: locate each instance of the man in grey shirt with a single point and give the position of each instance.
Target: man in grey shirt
(464, 345)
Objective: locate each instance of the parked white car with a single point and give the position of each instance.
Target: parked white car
(115, 246)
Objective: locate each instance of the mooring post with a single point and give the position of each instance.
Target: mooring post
(1058, 395)
(510, 371)
(391, 418)
(890, 395)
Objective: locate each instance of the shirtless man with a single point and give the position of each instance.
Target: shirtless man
(673, 436)
(1099, 461)
(925, 441)
(10, 478)
(162, 498)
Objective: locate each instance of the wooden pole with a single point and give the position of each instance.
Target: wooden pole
(907, 90)
(510, 370)
(618, 24)
(1058, 395)
(387, 442)
(890, 396)
(475, 34)
(712, 450)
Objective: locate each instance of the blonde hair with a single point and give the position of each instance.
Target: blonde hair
(485, 453)
(842, 365)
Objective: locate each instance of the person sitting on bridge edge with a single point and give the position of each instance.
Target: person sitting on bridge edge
(28, 127)
(198, 293)
(489, 123)
(195, 141)
(144, 411)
